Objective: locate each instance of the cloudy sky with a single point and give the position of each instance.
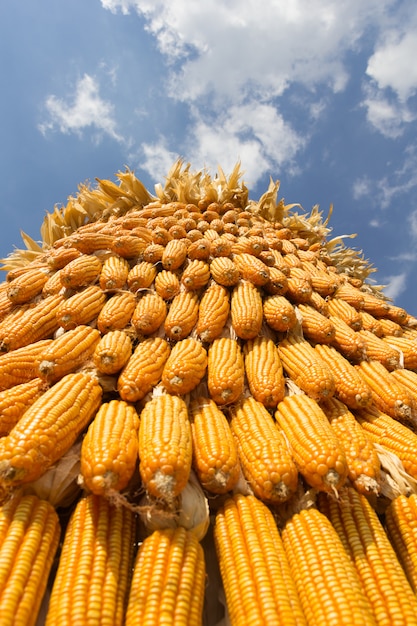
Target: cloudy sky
(319, 94)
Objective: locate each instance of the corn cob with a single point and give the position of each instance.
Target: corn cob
(265, 458)
(396, 314)
(406, 350)
(221, 247)
(251, 268)
(401, 523)
(15, 401)
(167, 284)
(128, 246)
(112, 352)
(381, 350)
(182, 315)
(246, 310)
(279, 313)
(68, 352)
(149, 314)
(141, 276)
(88, 242)
(168, 580)
(258, 584)
(26, 287)
(81, 308)
(264, 371)
(199, 249)
(350, 387)
(346, 312)
(316, 327)
(47, 430)
(144, 369)
(225, 371)
(389, 327)
(334, 593)
(407, 378)
(21, 365)
(319, 303)
(352, 295)
(278, 282)
(82, 271)
(347, 341)
(361, 455)
(374, 325)
(375, 305)
(59, 257)
(39, 322)
(174, 254)
(318, 454)
(29, 536)
(109, 451)
(165, 446)
(185, 366)
(323, 282)
(213, 312)
(389, 396)
(224, 271)
(299, 287)
(114, 273)
(92, 581)
(391, 435)
(215, 458)
(116, 312)
(153, 253)
(196, 275)
(364, 539)
(306, 368)
(53, 285)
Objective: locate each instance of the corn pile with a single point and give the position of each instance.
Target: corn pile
(207, 416)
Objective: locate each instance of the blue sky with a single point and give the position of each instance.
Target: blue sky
(319, 94)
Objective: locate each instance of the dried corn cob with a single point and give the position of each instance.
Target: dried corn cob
(213, 312)
(225, 371)
(278, 282)
(21, 365)
(374, 325)
(174, 254)
(389, 328)
(322, 281)
(264, 371)
(224, 271)
(352, 295)
(165, 446)
(94, 570)
(258, 584)
(215, 458)
(381, 350)
(153, 253)
(316, 327)
(347, 341)
(68, 352)
(196, 275)
(185, 366)
(82, 271)
(199, 249)
(15, 401)
(116, 312)
(29, 536)
(109, 450)
(299, 287)
(81, 308)
(396, 314)
(319, 455)
(406, 349)
(113, 273)
(57, 259)
(364, 539)
(141, 276)
(182, 315)
(407, 378)
(401, 523)
(361, 455)
(265, 458)
(144, 369)
(346, 312)
(53, 285)
(246, 310)
(88, 242)
(279, 313)
(149, 314)
(128, 246)
(112, 352)
(168, 580)
(375, 305)
(167, 284)
(27, 286)
(251, 268)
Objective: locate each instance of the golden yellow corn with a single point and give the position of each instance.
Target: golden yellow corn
(299, 287)
(112, 352)
(88, 242)
(116, 312)
(251, 268)
(59, 257)
(246, 310)
(381, 350)
(347, 341)
(199, 249)
(346, 312)
(113, 273)
(153, 253)
(225, 371)
(81, 308)
(21, 365)
(196, 275)
(128, 246)
(174, 254)
(185, 366)
(27, 286)
(182, 315)
(401, 524)
(82, 271)
(15, 400)
(141, 276)
(144, 369)
(316, 327)
(149, 314)
(376, 326)
(213, 312)
(264, 371)
(406, 349)
(68, 352)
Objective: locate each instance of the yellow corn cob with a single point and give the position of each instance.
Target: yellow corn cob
(39, 322)
(161, 236)
(334, 593)
(388, 395)
(249, 245)
(389, 327)
(225, 371)
(306, 368)
(144, 369)
(252, 269)
(319, 455)
(47, 429)
(350, 387)
(88, 242)
(374, 325)
(26, 287)
(213, 312)
(141, 276)
(185, 367)
(21, 365)
(316, 327)
(264, 371)
(165, 446)
(82, 271)
(266, 460)
(246, 310)
(57, 259)
(346, 312)
(112, 352)
(391, 435)
(348, 341)
(116, 312)
(196, 275)
(319, 303)
(396, 314)
(6, 305)
(361, 455)
(153, 253)
(299, 287)
(182, 315)
(15, 401)
(199, 249)
(68, 352)
(142, 232)
(352, 295)
(81, 308)
(149, 314)
(174, 254)
(401, 523)
(224, 271)
(221, 247)
(278, 282)
(92, 581)
(29, 536)
(109, 450)
(167, 284)
(215, 458)
(406, 350)
(113, 273)
(168, 580)
(375, 305)
(279, 313)
(381, 350)
(407, 378)
(53, 285)
(364, 539)
(322, 281)
(257, 580)
(128, 246)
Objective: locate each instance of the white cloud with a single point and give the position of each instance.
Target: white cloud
(395, 285)
(86, 110)
(386, 114)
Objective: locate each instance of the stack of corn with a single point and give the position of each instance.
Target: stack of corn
(207, 415)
